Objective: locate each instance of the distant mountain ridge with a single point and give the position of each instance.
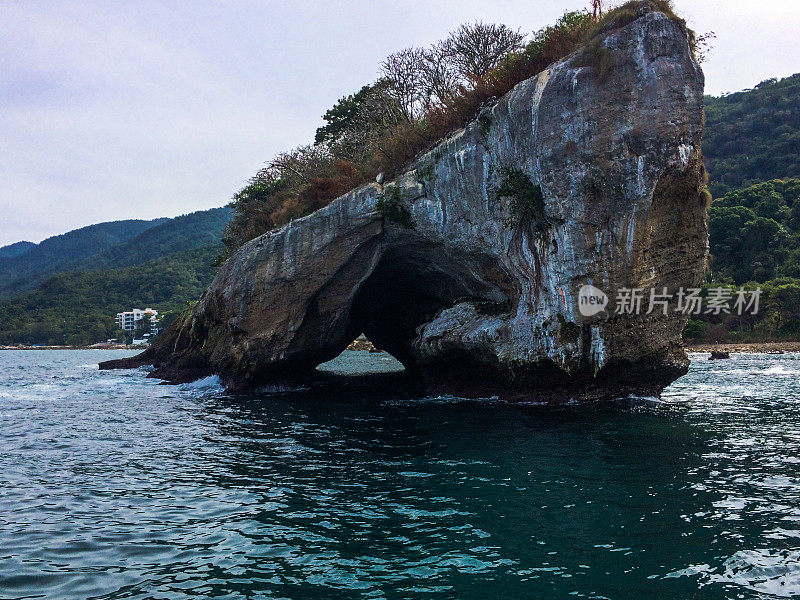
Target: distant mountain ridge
(60, 253)
(193, 230)
(111, 245)
(15, 249)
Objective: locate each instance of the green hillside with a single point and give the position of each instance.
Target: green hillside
(753, 136)
(754, 238)
(160, 264)
(15, 249)
(61, 253)
(195, 230)
(79, 307)
(754, 232)
(752, 149)
(110, 246)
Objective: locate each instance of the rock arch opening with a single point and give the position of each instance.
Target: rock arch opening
(416, 280)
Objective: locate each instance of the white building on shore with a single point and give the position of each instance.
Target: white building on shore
(130, 320)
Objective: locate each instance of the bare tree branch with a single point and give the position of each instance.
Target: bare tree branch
(404, 70)
(478, 48)
(441, 78)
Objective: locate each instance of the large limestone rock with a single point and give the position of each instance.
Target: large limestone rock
(467, 267)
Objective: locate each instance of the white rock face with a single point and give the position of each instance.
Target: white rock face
(471, 275)
(598, 150)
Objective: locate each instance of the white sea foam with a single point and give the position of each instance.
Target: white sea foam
(279, 388)
(780, 370)
(776, 573)
(206, 383)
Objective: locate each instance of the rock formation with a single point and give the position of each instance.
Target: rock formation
(467, 267)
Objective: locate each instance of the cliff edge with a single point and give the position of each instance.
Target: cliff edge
(468, 266)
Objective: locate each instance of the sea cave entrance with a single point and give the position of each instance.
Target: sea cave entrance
(411, 284)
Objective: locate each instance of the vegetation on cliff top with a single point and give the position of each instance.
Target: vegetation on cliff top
(421, 96)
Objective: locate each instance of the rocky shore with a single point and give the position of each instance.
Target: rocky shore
(362, 343)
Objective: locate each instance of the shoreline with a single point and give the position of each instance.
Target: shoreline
(103, 347)
(748, 347)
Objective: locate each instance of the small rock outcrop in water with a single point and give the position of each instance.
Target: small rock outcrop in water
(467, 267)
(719, 355)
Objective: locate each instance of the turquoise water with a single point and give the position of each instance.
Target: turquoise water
(113, 486)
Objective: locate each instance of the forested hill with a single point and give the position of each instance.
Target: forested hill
(25, 270)
(108, 246)
(755, 232)
(752, 149)
(753, 135)
(79, 307)
(15, 249)
(161, 264)
(195, 230)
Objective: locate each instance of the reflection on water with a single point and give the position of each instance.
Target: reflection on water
(112, 486)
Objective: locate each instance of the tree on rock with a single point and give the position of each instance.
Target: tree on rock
(477, 48)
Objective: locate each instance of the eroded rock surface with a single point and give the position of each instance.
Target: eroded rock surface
(470, 273)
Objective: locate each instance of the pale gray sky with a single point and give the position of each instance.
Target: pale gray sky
(115, 110)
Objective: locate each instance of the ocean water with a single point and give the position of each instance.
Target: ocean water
(113, 486)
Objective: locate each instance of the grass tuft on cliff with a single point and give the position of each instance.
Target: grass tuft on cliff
(526, 199)
(391, 208)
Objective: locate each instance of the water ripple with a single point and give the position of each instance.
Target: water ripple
(113, 486)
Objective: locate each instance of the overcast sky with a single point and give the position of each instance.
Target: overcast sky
(116, 110)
